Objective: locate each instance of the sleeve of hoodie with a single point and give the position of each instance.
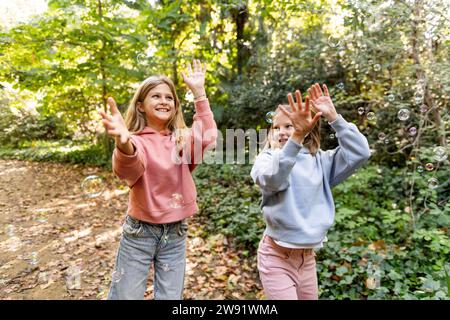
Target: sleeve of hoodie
(353, 151)
(129, 167)
(272, 167)
(203, 133)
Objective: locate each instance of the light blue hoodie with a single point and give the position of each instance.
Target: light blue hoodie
(297, 202)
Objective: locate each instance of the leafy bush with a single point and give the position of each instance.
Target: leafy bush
(374, 250)
(59, 151)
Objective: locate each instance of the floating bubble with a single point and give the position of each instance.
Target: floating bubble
(429, 166)
(361, 110)
(331, 136)
(334, 42)
(394, 206)
(418, 97)
(176, 201)
(117, 275)
(433, 183)
(419, 169)
(440, 154)
(386, 141)
(377, 67)
(92, 186)
(33, 258)
(423, 108)
(371, 116)
(10, 230)
(189, 96)
(269, 116)
(403, 114)
(381, 136)
(412, 131)
(340, 86)
(141, 58)
(391, 97)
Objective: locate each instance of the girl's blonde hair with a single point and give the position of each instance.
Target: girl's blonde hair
(136, 120)
(311, 141)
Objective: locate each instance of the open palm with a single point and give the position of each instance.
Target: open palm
(321, 101)
(195, 77)
(300, 117)
(114, 123)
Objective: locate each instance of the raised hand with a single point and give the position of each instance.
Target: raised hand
(300, 117)
(114, 124)
(195, 78)
(322, 102)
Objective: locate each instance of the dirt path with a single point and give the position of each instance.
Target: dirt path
(57, 243)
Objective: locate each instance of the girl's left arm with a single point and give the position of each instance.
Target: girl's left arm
(353, 151)
(204, 129)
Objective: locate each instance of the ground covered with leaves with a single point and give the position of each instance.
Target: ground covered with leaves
(57, 243)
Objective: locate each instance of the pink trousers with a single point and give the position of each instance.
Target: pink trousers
(287, 274)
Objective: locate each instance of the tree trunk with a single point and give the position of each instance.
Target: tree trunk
(107, 142)
(240, 17)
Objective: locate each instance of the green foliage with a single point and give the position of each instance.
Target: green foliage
(374, 251)
(229, 202)
(59, 151)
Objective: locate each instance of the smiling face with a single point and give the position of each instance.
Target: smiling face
(158, 106)
(282, 128)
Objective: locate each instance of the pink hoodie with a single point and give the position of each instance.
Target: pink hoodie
(162, 190)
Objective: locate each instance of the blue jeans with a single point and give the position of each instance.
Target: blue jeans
(142, 245)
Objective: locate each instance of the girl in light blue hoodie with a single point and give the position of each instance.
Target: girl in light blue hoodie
(295, 177)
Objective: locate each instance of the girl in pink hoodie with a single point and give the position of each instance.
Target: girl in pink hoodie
(156, 154)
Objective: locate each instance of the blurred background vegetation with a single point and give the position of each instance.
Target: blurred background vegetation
(385, 62)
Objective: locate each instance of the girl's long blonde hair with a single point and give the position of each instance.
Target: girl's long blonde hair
(311, 141)
(136, 119)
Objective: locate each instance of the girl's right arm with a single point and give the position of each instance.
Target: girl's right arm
(272, 167)
(128, 161)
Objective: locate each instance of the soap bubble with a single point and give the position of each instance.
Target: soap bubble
(189, 96)
(269, 116)
(433, 183)
(386, 141)
(423, 108)
(419, 169)
(92, 186)
(377, 67)
(331, 136)
(371, 116)
(340, 86)
(361, 110)
(10, 230)
(391, 97)
(33, 258)
(334, 42)
(141, 58)
(403, 114)
(440, 154)
(418, 97)
(412, 131)
(429, 166)
(381, 136)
